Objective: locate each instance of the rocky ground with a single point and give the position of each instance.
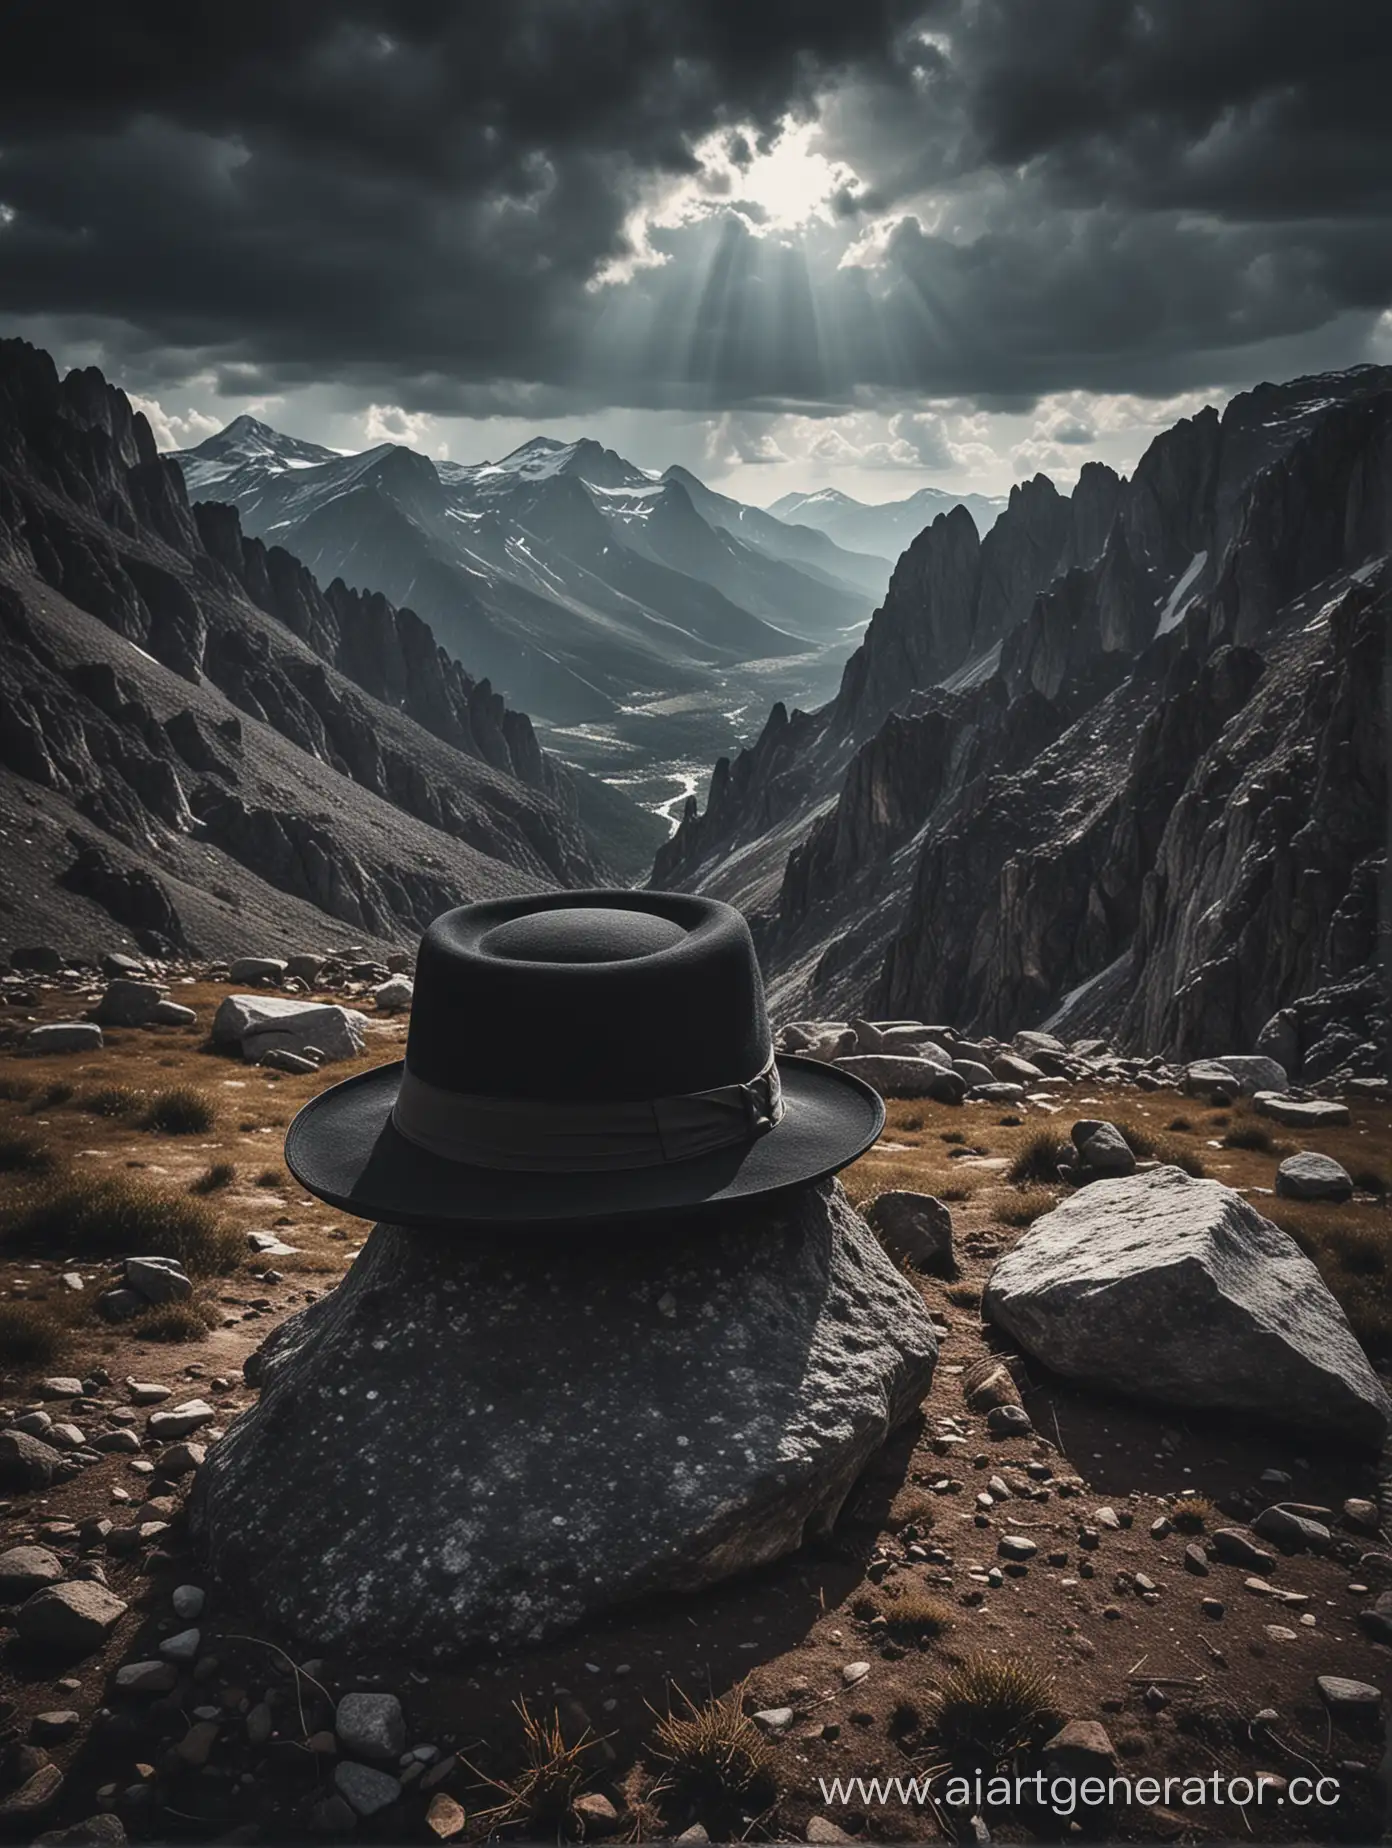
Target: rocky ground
(139, 1693)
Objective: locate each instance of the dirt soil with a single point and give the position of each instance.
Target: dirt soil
(1177, 1689)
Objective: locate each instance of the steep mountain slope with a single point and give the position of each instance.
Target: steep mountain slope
(886, 527)
(1156, 808)
(570, 577)
(785, 539)
(199, 746)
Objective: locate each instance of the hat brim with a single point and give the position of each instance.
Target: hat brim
(344, 1147)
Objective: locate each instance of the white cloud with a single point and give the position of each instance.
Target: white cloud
(1117, 414)
(927, 442)
(734, 440)
(389, 423)
(1035, 457)
(171, 429)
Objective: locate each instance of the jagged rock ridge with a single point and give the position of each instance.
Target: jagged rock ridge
(1158, 812)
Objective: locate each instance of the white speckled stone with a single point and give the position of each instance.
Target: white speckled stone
(463, 1442)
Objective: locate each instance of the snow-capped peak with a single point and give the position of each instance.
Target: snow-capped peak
(246, 442)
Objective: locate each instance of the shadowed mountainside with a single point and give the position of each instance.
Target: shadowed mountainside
(202, 748)
(1119, 767)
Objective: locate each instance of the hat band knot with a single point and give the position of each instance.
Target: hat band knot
(532, 1137)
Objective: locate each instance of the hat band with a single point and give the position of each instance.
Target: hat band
(564, 1138)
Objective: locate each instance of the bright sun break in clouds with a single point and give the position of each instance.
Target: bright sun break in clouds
(776, 192)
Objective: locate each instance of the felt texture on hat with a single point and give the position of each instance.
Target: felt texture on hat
(343, 1147)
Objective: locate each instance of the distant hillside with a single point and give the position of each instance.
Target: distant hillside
(886, 527)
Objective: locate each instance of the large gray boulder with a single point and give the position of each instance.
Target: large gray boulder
(158, 1279)
(128, 1003)
(259, 1024)
(1255, 1072)
(1177, 1290)
(1302, 1112)
(914, 1228)
(64, 1036)
(1102, 1149)
(909, 1038)
(257, 969)
(893, 1075)
(917, 1042)
(1312, 1176)
(394, 995)
(1209, 1079)
(534, 1433)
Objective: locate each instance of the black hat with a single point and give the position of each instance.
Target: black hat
(580, 1055)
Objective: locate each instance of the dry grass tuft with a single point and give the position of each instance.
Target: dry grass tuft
(181, 1111)
(1174, 1154)
(1191, 1514)
(990, 1707)
(1351, 1246)
(552, 1776)
(958, 1191)
(271, 1177)
(31, 1334)
(186, 1321)
(1139, 1138)
(220, 1175)
(1369, 1180)
(873, 1175)
(21, 1153)
(1037, 1159)
(111, 1100)
(1023, 1207)
(904, 1718)
(919, 1613)
(16, 1090)
(113, 1216)
(52, 1097)
(1250, 1134)
(717, 1760)
(912, 1507)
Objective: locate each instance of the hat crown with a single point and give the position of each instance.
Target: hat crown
(582, 934)
(588, 996)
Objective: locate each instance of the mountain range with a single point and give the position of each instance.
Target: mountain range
(1118, 766)
(885, 527)
(579, 584)
(203, 749)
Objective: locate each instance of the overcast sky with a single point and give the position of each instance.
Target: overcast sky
(786, 242)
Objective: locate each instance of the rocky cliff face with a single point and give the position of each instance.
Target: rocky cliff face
(181, 704)
(953, 598)
(1159, 812)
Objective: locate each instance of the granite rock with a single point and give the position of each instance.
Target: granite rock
(1178, 1291)
(540, 1434)
(1311, 1176)
(259, 1024)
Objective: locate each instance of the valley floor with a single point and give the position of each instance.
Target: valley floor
(1177, 1681)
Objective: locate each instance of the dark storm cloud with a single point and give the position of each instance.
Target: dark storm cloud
(408, 197)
